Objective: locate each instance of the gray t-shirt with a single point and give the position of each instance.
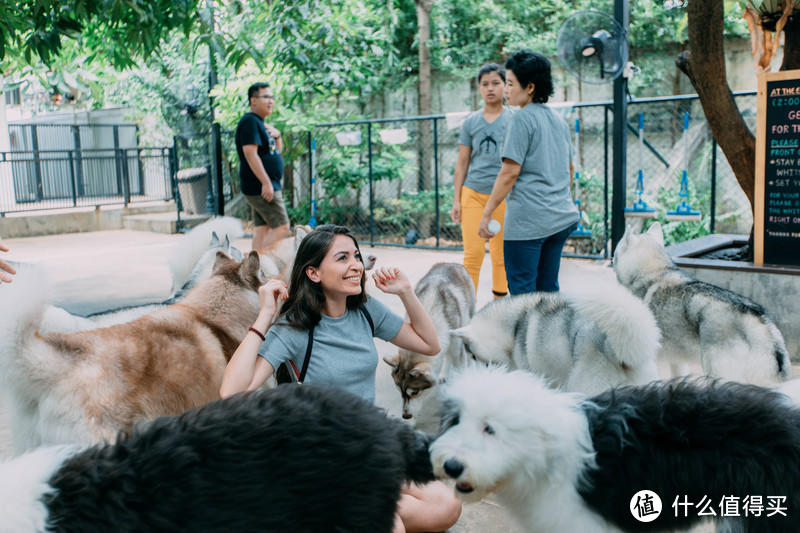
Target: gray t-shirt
(540, 203)
(343, 353)
(486, 141)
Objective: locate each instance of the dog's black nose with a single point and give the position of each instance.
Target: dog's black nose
(453, 468)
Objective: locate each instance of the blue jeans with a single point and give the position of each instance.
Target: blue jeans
(533, 265)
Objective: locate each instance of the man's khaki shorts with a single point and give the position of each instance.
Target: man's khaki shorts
(272, 214)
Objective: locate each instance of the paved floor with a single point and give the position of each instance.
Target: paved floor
(95, 271)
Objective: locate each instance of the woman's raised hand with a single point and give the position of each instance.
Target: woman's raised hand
(271, 294)
(391, 280)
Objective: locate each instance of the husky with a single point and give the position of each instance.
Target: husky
(308, 459)
(448, 295)
(87, 386)
(731, 336)
(562, 462)
(584, 340)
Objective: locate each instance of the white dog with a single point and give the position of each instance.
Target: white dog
(565, 464)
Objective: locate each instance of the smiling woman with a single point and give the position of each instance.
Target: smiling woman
(326, 325)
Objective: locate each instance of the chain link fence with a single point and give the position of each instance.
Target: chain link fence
(391, 180)
(55, 166)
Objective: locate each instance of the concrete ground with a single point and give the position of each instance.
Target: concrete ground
(90, 272)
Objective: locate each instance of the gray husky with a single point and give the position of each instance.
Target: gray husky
(731, 336)
(585, 339)
(448, 295)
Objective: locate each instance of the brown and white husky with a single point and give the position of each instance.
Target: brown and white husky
(88, 386)
(448, 295)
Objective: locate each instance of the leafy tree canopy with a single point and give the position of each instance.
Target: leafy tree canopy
(118, 30)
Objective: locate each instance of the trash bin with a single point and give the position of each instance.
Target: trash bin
(193, 188)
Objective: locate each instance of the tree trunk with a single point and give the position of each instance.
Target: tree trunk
(424, 91)
(791, 45)
(704, 64)
(425, 139)
(676, 107)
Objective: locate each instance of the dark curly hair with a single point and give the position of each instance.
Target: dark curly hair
(303, 306)
(530, 67)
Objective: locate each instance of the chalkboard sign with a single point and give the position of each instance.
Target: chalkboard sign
(777, 192)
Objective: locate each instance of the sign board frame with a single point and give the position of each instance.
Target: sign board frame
(764, 80)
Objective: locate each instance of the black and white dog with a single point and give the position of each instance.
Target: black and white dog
(563, 463)
(292, 459)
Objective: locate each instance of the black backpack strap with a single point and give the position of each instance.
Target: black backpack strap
(307, 358)
(369, 319)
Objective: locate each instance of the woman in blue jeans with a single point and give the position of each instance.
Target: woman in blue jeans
(536, 174)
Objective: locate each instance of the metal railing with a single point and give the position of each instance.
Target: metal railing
(32, 180)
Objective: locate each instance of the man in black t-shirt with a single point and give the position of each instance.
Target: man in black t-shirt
(259, 147)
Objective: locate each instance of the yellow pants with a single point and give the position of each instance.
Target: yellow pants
(472, 204)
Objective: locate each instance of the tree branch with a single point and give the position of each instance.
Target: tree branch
(704, 65)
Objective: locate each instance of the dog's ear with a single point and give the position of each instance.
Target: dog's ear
(221, 261)
(392, 361)
(227, 244)
(214, 240)
(300, 233)
(656, 232)
(423, 372)
(253, 263)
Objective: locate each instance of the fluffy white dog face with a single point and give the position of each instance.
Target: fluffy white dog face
(501, 429)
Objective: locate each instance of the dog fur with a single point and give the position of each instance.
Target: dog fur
(584, 340)
(731, 336)
(296, 459)
(87, 386)
(562, 463)
(183, 257)
(191, 261)
(448, 295)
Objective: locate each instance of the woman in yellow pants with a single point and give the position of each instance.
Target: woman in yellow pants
(480, 144)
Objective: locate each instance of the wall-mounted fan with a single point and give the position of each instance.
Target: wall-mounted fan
(593, 47)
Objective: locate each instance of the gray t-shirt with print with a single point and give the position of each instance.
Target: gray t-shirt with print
(343, 353)
(539, 204)
(486, 141)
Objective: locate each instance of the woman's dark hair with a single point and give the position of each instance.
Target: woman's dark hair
(253, 89)
(492, 67)
(303, 307)
(530, 67)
